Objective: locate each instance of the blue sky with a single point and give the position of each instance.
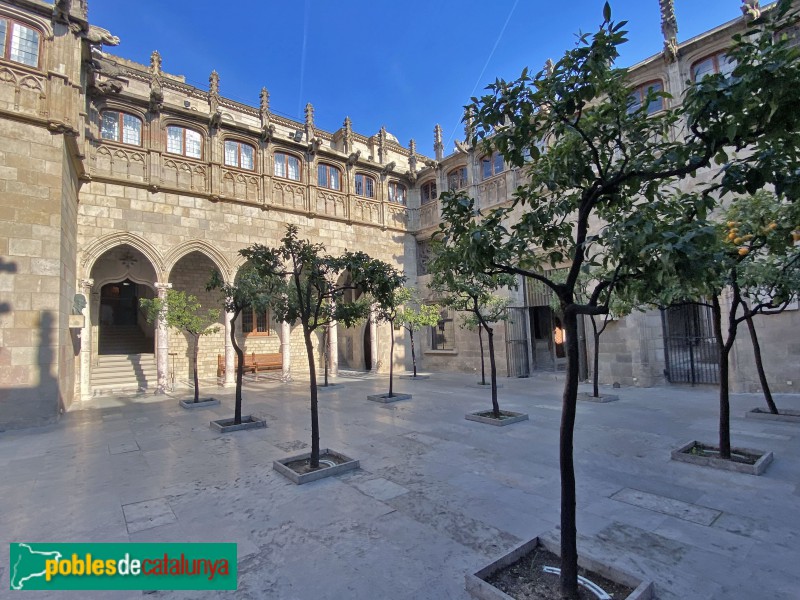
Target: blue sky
(406, 65)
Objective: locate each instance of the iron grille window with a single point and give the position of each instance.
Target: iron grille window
(443, 334)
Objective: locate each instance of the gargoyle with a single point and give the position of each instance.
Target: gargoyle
(267, 133)
(351, 160)
(433, 164)
(387, 168)
(98, 35)
(462, 147)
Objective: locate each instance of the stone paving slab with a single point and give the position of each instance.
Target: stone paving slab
(668, 506)
(436, 497)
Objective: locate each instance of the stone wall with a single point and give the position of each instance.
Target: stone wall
(36, 349)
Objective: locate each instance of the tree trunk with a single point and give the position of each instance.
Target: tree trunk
(724, 390)
(492, 371)
(391, 359)
(595, 360)
(325, 353)
(569, 543)
(480, 343)
(413, 354)
(312, 372)
(237, 412)
(194, 368)
(762, 376)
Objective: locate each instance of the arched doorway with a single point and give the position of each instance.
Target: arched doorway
(123, 329)
(353, 343)
(123, 342)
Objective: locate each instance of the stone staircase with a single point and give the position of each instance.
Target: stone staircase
(126, 362)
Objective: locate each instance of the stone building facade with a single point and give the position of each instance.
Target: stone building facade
(120, 181)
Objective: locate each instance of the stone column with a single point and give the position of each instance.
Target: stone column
(162, 341)
(373, 339)
(230, 355)
(333, 349)
(85, 286)
(286, 351)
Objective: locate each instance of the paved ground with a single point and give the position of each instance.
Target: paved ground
(436, 496)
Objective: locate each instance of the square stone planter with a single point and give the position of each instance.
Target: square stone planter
(202, 403)
(385, 397)
(487, 386)
(347, 464)
(321, 389)
(787, 416)
(248, 422)
(417, 378)
(683, 454)
(509, 417)
(478, 588)
(587, 397)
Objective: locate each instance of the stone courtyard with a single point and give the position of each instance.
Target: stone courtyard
(436, 496)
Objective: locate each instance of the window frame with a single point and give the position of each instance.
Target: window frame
(714, 57)
(239, 145)
(5, 49)
(120, 125)
(287, 155)
(394, 187)
(462, 170)
(428, 189)
(184, 131)
(642, 90)
(365, 177)
(327, 169)
(254, 323)
(494, 168)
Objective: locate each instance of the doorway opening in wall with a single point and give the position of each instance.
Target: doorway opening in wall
(367, 350)
(690, 349)
(547, 339)
(123, 326)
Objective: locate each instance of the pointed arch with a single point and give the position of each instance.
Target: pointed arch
(203, 247)
(95, 250)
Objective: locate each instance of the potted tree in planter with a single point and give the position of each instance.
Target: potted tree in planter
(462, 289)
(389, 310)
(249, 290)
(414, 316)
(753, 257)
(308, 296)
(184, 312)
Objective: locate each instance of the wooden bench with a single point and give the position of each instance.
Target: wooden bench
(253, 363)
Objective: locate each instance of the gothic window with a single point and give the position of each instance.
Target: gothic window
(187, 142)
(365, 185)
(443, 334)
(397, 193)
(639, 95)
(255, 322)
(491, 165)
(239, 154)
(328, 177)
(287, 166)
(428, 192)
(457, 179)
(716, 63)
(20, 43)
(121, 127)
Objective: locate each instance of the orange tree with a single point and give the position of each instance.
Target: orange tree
(607, 161)
(308, 294)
